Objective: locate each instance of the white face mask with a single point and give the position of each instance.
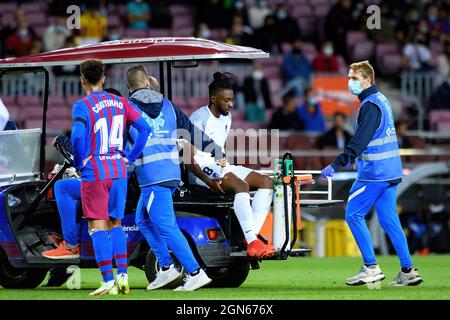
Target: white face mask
(205, 34)
(257, 75)
(328, 51)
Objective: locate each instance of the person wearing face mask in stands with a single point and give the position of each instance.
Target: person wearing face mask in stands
(326, 61)
(296, 70)
(311, 114)
(336, 137)
(286, 26)
(417, 55)
(56, 34)
(257, 13)
(203, 31)
(375, 149)
(256, 95)
(20, 42)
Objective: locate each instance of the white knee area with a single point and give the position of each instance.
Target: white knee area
(261, 207)
(244, 214)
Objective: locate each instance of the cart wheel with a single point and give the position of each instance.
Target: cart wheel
(152, 268)
(19, 278)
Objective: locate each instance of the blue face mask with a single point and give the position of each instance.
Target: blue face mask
(354, 86)
(312, 101)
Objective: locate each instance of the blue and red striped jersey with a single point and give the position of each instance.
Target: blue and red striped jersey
(105, 117)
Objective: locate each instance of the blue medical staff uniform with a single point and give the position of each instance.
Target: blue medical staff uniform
(379, 167)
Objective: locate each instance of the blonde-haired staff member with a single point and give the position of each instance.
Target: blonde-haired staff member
(375, 149)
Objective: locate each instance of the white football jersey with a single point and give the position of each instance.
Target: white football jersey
(216, 128)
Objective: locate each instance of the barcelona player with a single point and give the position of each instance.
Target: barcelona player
(99, 121)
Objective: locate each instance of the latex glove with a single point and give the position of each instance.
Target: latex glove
(328, 171)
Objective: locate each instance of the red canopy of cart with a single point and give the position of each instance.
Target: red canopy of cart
(138, 51)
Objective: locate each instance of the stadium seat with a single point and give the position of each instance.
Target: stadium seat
(183, 32)
(391, 64)
(362, 50)
(37, 19)
(303, 11)
(353, 38)
(25, 101)
(8, 8)
(286, 47)
(8, 100)
(309, 48)
(179, 10)
(308, 26)
(14, 112)
(32, 124)
(56, 100)
(443, 126)
(70, 100)
(135, 33)
(33, 7)
(59, 124)
(59, 112)
(437, 116)
(197, 102)
(31, 112)
(383, 49)
(321, 11)
(155, 33)
(114, 21)
(182, 22)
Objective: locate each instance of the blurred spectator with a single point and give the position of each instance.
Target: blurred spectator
(339, 21)
(311, 114)
(56, 34)
(257, 13)
(287, 27)
(443, 63)
(20, 42)
(214, 13)
(93, 25)
(435, 24)
(37, 46)
(440, 98)
(256, 95)
(160, 14)
(113, 34)
(325, 60)
(138, 14)
(296, 70)
(407, 26)
(403, 141)
(239, 34)
(336, 137)
(416, 54)
(239, 8)
(387, 31)
(266, 38)
(67, 70)
(203, 31)
(285, 117)
(5, 32)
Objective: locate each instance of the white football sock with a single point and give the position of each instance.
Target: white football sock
(244, 214)
(261, 207)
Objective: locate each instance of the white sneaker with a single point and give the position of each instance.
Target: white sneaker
(411, 278)
(106, 288)
(194, 282)
(163, 278)
(122, 284)
(366, 275)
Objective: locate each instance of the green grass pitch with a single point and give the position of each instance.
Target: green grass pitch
(295, 278)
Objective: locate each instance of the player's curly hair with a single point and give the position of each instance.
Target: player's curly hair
(222, 81)
(92, 70)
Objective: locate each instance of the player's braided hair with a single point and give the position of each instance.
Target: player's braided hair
(222, 81)
(92, 70)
